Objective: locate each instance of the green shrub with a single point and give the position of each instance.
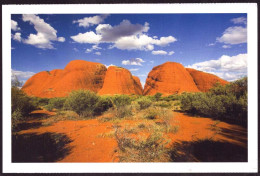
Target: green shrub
(164, 104)
(83, 102)
(40, 101)
(144, 102)
(103, 104)
(170, 98)
(221, 102)
(121, 100)
(157, 96)
(121, 105)
(16, 118)
(55, 103)
(21, 102)
(123, 111)
(151, 113)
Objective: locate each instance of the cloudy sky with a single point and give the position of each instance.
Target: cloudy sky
(214, 43)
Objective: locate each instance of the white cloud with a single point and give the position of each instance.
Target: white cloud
(159, 52)
(98, 53)
(227, 67)
(234, 35)
(211, 44)
(124, 29)
(21, 75)
(90, 21)
(142, 42)
(17, 37)
(125, 36)
(136, 61)
(75, 49)
(171, 53)
(240, 20)
(226, 46)
(61, 39)
(134, 69)
(45, 33)
(94, 47)
(14, 26)
(88, 37)
(109, 65)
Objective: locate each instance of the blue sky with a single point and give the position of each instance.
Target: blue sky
(214, 43)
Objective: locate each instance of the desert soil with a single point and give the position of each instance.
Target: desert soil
(197, 139)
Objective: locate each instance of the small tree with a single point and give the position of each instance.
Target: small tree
(83, 102)
(15, 81)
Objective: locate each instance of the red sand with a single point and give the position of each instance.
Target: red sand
(89, 146)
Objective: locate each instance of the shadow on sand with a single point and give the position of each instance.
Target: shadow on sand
(208, 151)
(46, 147)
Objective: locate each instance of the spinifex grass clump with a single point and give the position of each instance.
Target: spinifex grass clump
(144, 102)
(136, 148)
(122, 105)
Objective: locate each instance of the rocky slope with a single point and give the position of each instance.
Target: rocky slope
(204, 81)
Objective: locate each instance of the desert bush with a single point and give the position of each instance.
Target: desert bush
(221, 102)
(120, 100)
(21, 102)
(40, 101)
(163, 104)
(16, 118)
(144, 102)
(103, 104)
(56, 103)
(157, 96)
(170, 98)
(121, 105)
(151, 113)
(150, 149)
(123, 111)
(83, 102)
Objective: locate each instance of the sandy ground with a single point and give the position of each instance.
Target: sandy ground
(88, 143)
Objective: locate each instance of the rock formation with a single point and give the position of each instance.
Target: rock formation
(205, 81)
(78, 74)
(169, 78)
(119, 80)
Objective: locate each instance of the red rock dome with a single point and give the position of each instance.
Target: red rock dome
(169, 78)
(205, 81)
(119, 80)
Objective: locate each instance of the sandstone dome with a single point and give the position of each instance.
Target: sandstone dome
(78, 74)
(169, 78)
(119, 80)
(205, 81)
